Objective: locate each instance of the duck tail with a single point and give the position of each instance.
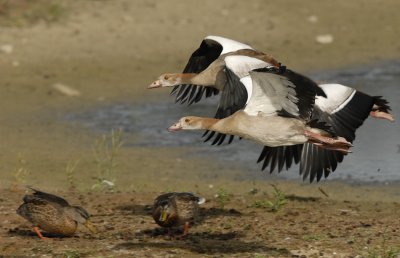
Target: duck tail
(201, 200)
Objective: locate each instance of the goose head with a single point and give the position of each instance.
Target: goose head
(166, 80)
(189, 123)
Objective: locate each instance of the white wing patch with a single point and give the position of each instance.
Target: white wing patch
(271, 93)
(337, 97)
(249, 86)
(242, 65)
(229, 45)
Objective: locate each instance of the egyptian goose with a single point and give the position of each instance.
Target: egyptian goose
(53, 214)
(176, 209)
(204, 67)
(294, 118)
(206, 73)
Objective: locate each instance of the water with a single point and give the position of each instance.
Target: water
(375, 157)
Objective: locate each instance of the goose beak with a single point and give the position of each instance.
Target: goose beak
(88, 224)
(155, 84)
(175, 127)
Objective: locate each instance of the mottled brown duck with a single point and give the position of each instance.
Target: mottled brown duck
(53, 214)
(176, 209)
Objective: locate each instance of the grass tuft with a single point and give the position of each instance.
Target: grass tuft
(105, 151)
(20, 174)
(222, 197)
(275, 204)
(29, 12)
(70, 172)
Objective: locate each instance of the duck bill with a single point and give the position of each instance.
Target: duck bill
(88, 224)
(163, 216)
(175, 127)
(155, 84)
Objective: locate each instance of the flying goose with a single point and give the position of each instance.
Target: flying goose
(296, 120)
(204, 67)
(206, 73)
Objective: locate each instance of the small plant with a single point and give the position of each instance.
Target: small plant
(20, 174)
(105, 152)
(70, 172)
(377, 253)
(275, 204)
(312, 237)
(28, 12)
(259, 256)
(253, 191)
(383, 251)
(222, 197)
(71, 254)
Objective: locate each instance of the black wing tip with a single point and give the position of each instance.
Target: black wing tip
(317, 163)
(190, 94)
(279, 157)
(383, 104)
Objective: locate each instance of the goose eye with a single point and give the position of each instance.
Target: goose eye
(166, 77)
(187, 120)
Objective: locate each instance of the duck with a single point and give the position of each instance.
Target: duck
(297, 120)
(53, 214)
(206, 74)
(176, 209)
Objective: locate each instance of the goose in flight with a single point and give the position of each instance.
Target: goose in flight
(293, 117)
(206, 74)
(201, 76)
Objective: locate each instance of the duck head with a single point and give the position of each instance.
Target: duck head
(80, 215)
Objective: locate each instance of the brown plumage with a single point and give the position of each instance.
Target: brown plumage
(53, 214)
(176, 209)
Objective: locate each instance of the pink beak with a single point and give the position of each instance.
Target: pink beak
(175, 127)
(155, 84)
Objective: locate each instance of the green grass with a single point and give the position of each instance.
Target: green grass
(275, 204)
(71, 254)
(70, 172)
(20, 173)
(30, 12)
(387, 253)
(105, 152)
(222, 197)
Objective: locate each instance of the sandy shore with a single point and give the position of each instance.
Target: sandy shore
(109, 51)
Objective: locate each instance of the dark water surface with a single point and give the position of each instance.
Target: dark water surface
(376, 151)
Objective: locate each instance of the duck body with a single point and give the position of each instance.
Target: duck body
(53, 214)
(176, 209)
(50, 217)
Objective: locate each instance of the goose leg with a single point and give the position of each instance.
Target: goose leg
(344, 150)
(36, 229)
(382, 115)
(339, 141)
(338, 144)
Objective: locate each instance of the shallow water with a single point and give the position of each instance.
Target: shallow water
(375, 157)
